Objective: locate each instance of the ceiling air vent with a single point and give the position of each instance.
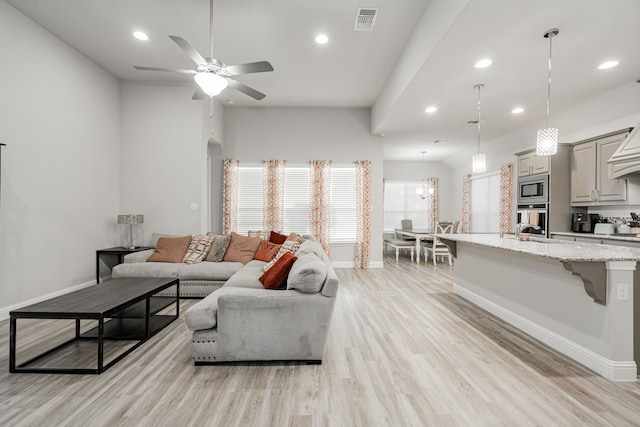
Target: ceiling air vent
(366, 19)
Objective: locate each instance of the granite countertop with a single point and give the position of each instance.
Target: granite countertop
(549, 248)
(627, 237)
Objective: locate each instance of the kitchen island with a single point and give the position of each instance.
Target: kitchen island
(577, 298)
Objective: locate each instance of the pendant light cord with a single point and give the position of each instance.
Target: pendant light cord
(211, 29)
(550, 34)
(479, 86)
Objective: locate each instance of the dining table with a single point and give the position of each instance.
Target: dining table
(421, 235)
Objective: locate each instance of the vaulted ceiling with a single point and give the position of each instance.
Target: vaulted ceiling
(420, 53)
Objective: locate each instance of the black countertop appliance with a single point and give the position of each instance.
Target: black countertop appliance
(583, 222)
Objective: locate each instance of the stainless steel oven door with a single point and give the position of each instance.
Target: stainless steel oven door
(533, 189)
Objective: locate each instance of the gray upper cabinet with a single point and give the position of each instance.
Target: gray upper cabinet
(590, 173)
(530, 164)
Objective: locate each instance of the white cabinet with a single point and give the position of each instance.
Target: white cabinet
(531, 164)
(590, 183)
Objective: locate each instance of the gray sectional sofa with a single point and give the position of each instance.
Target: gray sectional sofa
(240, 320)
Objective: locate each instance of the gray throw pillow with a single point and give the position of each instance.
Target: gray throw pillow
(218, 247)
(307, 274)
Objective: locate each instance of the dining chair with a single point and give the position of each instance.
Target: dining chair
(435, 246)
(407, 224)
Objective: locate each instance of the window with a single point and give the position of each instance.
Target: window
(402, 202)
(343, 204)
(250, 201)
(296, 200)
(485, 203)
(297, 188)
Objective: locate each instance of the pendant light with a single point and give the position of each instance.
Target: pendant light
(547, 141)
(420, 191)
(479, 160)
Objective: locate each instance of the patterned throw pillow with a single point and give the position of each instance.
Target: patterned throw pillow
(218, 247)
(290, 245)
(198, 249)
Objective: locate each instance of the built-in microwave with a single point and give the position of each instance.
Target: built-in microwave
(533, 189)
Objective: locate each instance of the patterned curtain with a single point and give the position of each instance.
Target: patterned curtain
(230, 173)
(506, 197)
(273, 195)
(319, 207)
(432, 203)
(363, 213)
(466, 203)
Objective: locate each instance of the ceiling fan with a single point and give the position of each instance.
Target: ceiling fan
(211, 75)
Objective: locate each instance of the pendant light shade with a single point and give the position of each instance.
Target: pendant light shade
(210, 83)
(547, 140)
(479, 160)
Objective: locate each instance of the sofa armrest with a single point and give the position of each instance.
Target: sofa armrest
(140, 256)
(273, 325)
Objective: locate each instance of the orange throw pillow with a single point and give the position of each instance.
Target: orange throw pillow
(170, 249)
(267, 251)
(277, 238)
(276, 276)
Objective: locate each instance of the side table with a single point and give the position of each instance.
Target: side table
(114, 254)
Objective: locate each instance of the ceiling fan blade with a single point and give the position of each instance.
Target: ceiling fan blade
(171, 70)
(198, 94)
(190, 50)
(246, 90)
(252, 67)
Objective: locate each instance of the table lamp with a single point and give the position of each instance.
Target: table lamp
(130, 220)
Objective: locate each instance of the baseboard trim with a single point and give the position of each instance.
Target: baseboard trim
(351, 264)
(610, 369)
(4, 311)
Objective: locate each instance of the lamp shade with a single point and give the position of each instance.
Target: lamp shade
(479, 163)
(211, 83)
(547, 142)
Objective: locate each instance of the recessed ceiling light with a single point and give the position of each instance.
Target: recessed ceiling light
(140, 35)
(517, 110)
(431, 109)
(483, 63)
(608, 64)
(322, 39)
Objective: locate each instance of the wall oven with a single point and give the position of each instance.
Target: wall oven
(533, 189)
(535, 214)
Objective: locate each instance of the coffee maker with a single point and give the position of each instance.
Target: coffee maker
(583, 222)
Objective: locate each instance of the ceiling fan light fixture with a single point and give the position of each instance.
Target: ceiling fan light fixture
(210, 83)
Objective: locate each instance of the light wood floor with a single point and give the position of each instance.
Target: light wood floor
(403, 351)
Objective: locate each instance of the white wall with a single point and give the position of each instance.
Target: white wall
(163, 164)
(60, 172)
(298, 135)
(395, 170)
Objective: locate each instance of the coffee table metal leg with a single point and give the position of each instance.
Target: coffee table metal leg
(100, 344)
(12, 346)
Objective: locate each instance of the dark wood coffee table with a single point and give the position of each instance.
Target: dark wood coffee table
(125, 309)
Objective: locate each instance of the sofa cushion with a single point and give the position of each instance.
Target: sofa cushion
(307, 274)
(310, 246)
(218, 247)
(267, 251)
(144, 269)
(241, 248)
(248, 276)
(277, 238)
(198, 249)
(207, 270)
(170, 249)
(290, 245)
(276, 276)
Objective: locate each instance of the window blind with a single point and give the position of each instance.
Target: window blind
(296, 200)
(485, 203)
(250, 200)
(343, 204)
(402, 202)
